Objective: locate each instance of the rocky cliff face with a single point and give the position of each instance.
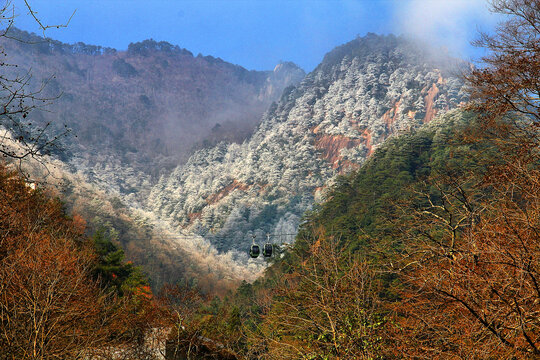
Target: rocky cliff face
(362, 93)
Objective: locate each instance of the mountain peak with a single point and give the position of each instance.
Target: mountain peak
(362, 93)
(149, 46)
(361, 47)
(153, 101)
(286, 73)
(287, 66)
(390, 48)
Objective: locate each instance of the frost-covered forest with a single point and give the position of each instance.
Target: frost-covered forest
(362, 93)
(139, 112)
(405, 184)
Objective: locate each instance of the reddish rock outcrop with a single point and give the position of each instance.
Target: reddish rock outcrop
(391, 115)
(369, 142)
(429, 103)
(193, 216)
(212, 199)
(331, 145)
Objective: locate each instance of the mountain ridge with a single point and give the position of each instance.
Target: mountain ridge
(148, 106)
(326, 125)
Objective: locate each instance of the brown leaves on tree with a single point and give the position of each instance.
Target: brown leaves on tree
(325, 309)
(472, 264)
(472, 269)
(48, 308)
(509, 81)
(50, 305)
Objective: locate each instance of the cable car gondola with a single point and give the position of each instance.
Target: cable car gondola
(267, 250)
(254, 250)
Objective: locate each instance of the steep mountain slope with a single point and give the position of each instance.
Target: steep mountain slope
(362, 93)
(146, 107)
(144, 238)
(362, 207)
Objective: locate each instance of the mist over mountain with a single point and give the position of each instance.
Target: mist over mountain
(362, 93)
(145, 112)
(147, 107)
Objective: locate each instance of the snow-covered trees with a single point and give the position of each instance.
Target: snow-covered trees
(361, 93)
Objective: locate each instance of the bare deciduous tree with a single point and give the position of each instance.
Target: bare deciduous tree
(19, 96)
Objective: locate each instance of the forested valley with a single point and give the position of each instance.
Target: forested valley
(414, 194)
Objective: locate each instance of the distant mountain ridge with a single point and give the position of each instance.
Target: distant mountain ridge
(147, 107)
(362, 93)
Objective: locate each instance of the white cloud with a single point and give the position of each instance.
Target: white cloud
(450, 23)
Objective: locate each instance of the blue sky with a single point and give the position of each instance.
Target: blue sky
(257, 34)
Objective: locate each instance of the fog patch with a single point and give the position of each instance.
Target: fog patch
(448, 24)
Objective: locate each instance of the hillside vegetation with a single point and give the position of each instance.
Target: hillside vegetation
(418, 254)
(429, 250)
(64, 295)
(362, 93)
(425, 243)
(136, 113)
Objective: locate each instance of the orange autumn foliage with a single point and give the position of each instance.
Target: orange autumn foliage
(51, 306)
(471, 269)
(471, 272)
(48, 306)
